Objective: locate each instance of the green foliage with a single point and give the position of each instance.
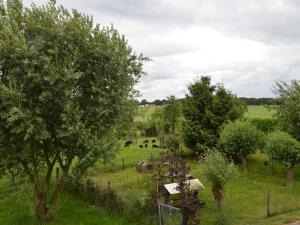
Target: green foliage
(265, 124)
(283, 148)
(261, 101)
(239, 139)
(206, 108)
(217, 169)
(66, 87)
(94, 194)
(288, 112)
(171, 115)
(172, 141)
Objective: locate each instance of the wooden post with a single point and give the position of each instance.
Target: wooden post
(268, 203)
(123, 163)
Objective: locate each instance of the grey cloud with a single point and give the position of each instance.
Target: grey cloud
(171, 31)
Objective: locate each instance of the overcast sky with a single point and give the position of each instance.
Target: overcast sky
(246, 45)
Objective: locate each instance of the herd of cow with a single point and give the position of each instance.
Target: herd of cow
(144, 145)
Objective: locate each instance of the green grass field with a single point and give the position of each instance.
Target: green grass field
(260, 111)
(253, 111)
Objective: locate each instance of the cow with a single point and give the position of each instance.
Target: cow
(146, 141)
(153, 141)
(141, 146)
(155, 146)
(127, 143)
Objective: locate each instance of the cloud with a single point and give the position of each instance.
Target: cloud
(247, 45)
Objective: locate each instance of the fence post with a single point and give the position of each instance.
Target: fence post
(268, 203)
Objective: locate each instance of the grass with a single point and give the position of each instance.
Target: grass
(245, 198)
(253, 111)
(260, 111)
(16, 209)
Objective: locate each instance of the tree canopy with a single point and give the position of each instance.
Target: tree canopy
(283, 148)
(205, 109)
(288, 111)
(239, 139)
(65, 86)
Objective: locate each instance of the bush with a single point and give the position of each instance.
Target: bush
(239, 139)
(283, 148)
(265, 124)
(149, 130)
(172, 141)
(106, 198)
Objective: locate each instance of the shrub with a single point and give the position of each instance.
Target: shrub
(239, 139)
(218, 171)
(283, 148)
(265, 124)
(106, 198)
(172, 141)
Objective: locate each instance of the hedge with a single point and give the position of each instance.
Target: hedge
(265, 124)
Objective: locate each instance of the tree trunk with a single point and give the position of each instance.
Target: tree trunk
(245, 163)
(185, 219)
(218, 196)
(41, 206)
(290, 175)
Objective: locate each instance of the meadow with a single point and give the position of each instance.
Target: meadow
(244, 204)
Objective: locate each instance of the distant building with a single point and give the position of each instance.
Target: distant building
(150, 105)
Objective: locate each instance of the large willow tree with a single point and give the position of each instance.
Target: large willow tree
(66, 85)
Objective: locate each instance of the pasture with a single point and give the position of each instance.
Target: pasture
(253, 111)
(260, 111)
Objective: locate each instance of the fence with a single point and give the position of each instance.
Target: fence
(169, 215)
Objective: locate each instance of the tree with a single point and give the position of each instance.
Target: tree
(65, 85)
(239, 139)
(218, 171)
(144, 102)
(288, 111)
(157, 102)
(283, 148)
(205, 109)
(171, 114)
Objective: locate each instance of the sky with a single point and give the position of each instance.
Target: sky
(245, 45)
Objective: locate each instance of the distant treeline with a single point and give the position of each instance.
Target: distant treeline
(248, 101)
(261, 101)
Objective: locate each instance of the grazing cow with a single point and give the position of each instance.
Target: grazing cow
(155, 146)
(146, 141)
(146, 145)
(127, 143)
(141, 146)
(153, 141)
